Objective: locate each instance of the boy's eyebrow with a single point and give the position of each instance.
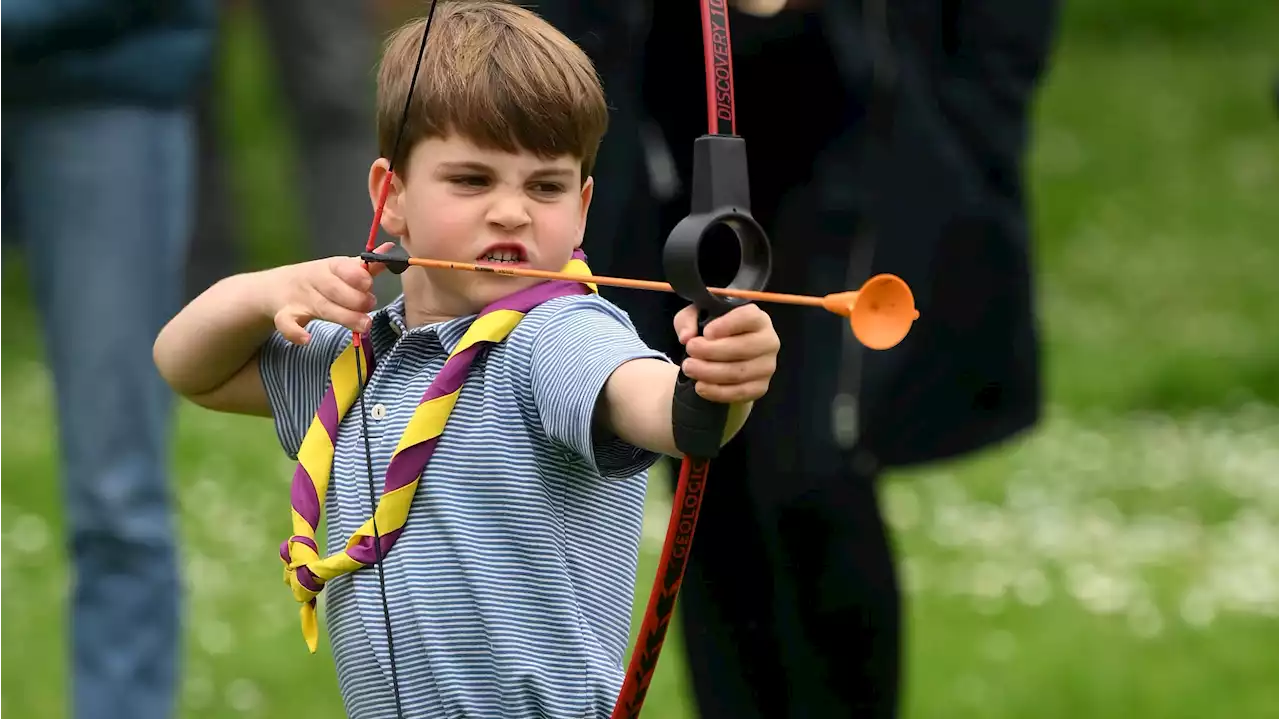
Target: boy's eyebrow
(553, 172)
(464, 166)
(472, 166)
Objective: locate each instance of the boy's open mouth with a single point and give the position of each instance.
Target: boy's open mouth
(504, 254)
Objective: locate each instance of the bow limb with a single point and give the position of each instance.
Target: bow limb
(721, 197)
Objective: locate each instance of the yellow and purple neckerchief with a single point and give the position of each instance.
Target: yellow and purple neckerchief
(306, 572)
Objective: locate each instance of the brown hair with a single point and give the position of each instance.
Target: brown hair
(496, 74)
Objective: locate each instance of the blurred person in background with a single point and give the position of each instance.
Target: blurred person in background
(98, 182)
(323, 57)
(881, 137)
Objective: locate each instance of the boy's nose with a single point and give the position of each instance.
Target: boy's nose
(508, 213)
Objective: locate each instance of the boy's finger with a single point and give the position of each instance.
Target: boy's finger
(729, 394)
(352, 272)
(352, 320)
(289, 326)
(377, 268)
(729, 373)
(686, 323)
(733, 349)
(332, 288)
(740, 320)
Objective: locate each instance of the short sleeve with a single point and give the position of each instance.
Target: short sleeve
(296, 377)
(574, 353)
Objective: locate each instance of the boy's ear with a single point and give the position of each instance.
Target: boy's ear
(393, 213)
(588, 188)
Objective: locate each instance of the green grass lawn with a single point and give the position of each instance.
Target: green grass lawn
(1120, 562)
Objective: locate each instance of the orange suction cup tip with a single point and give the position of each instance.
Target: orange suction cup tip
(880, 314)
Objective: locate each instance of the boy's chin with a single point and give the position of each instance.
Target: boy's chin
(487, 289)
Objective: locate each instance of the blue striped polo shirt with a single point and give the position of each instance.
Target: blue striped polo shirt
(512, 585)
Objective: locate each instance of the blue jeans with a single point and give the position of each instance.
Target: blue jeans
(102, 196)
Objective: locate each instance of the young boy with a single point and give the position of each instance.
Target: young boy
(510, 587)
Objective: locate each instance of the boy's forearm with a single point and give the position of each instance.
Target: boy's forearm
(216, 334)
(637, 407)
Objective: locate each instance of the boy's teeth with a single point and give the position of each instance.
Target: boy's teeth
(502, 256)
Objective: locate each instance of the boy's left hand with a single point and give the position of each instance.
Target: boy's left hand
(734, 358)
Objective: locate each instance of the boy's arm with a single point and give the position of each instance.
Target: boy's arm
(209, 352)
(578, 346)
(635, 406)
(732, 362)
(599, 391)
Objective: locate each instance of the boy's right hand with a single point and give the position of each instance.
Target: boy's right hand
(335, 289)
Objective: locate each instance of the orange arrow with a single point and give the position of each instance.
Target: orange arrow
(880, 313)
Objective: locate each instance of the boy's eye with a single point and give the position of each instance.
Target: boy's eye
(470, 180)
(548, 188)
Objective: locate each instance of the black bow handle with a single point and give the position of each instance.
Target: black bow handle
(721, 198)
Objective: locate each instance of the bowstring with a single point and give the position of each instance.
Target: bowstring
(360, 378)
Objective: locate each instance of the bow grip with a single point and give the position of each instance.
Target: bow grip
(697, 423)
(720, 198)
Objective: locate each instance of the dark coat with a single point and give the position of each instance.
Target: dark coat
(138, 52)
(864, 157)
(938, 192)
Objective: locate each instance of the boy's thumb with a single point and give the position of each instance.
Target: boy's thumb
(377, 268)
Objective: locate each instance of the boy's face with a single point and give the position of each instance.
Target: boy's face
(463, 203)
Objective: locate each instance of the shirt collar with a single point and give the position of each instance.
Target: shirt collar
(389, 325)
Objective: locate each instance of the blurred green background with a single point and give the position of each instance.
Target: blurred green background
(1121, 561)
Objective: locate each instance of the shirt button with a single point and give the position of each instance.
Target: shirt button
(378, 412)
